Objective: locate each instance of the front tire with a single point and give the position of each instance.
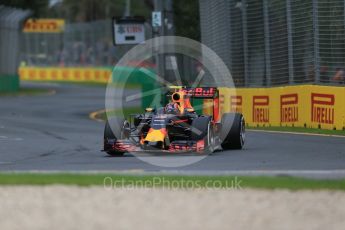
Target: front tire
(234, 137)
(110, 137)
(202, 130)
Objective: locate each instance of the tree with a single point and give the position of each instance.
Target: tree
(186, 18)
(39, 7)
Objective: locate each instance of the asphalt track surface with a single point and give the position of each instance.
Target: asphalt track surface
(54, 133)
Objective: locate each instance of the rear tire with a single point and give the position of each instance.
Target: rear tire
(115, 153)
(234, 137)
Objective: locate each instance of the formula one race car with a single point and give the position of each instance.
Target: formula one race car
(177, 127)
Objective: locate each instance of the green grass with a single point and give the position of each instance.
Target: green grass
(169, 181)
(301, 130)
(26, 92)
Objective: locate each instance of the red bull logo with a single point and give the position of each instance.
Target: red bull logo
(261, 109)
(289, 108)
(236, 104)
(322, 108)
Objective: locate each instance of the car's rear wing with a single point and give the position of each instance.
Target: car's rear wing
(207, 93)
(198, 92)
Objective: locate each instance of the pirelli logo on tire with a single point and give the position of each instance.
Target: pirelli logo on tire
(289, 108)
(261, 110)
(322, 108)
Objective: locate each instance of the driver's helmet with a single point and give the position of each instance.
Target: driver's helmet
(172, 108)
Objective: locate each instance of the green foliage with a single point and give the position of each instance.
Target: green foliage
(186, 18)
(39, 7)
(81, 11)
(90, 10)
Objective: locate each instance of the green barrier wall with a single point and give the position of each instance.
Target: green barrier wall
(9, 83)
(129, 77)
(147, 80)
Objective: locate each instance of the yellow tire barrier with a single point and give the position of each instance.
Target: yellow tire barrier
(64, 74)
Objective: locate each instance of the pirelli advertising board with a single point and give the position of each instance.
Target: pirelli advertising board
(44, 26)
(300, 106)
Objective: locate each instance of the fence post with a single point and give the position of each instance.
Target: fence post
(290, 44)
(316, 41)
(344, 28)
(267, 43)
(227, 16)
(11, 20)
(245, 40)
